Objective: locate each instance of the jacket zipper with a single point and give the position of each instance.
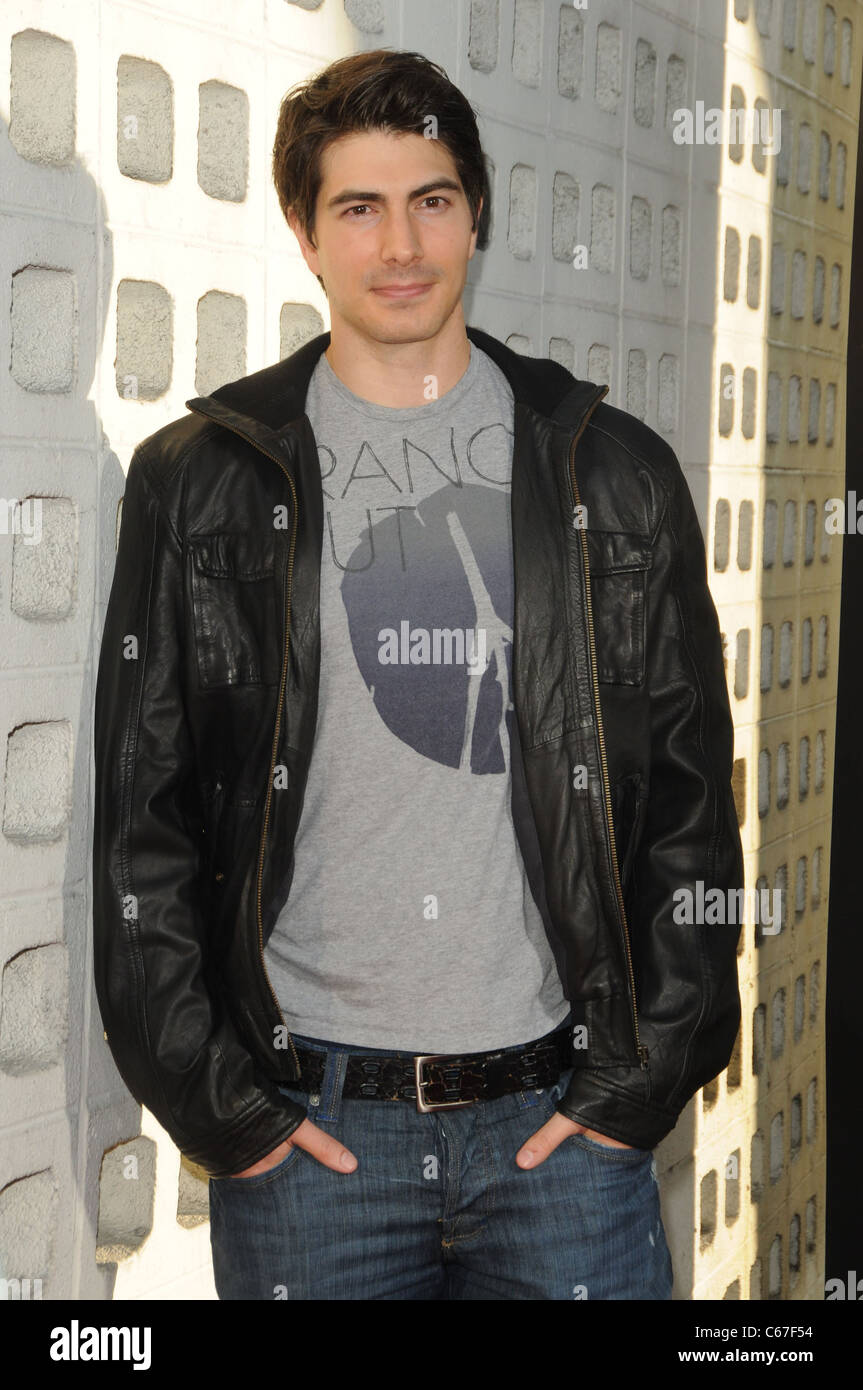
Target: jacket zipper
(640, 1047)
(287, 602)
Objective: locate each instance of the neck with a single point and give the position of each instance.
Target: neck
(400, 375)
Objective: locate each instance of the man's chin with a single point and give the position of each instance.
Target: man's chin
(405, 327)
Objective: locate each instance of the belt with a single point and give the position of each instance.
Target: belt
(441, 1081)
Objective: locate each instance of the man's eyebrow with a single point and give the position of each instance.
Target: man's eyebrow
(359, 195)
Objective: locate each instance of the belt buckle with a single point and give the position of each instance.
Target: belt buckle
(423, 1105)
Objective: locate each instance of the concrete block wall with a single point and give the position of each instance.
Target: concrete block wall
(780, 315)
(146, 260)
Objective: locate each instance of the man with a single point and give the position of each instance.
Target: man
(411, 723)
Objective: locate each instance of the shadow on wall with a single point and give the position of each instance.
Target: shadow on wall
(77, 1178)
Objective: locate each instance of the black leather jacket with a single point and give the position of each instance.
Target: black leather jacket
(205, 715)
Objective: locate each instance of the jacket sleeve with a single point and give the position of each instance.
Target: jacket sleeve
(684, 962)
(149, 923)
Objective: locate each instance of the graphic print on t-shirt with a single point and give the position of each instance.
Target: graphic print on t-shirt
(429, 604)
(415, 912)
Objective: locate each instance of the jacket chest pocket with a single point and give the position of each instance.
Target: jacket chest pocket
(235, 612)
(619, 564)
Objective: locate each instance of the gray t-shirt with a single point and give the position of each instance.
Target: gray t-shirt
(411, 921)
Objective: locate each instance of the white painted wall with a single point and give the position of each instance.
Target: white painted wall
(130, 287)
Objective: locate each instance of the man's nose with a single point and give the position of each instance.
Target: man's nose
(399, 237)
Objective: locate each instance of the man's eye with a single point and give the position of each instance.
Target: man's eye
(432, 198)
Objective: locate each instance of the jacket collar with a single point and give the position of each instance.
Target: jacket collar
(275, 396)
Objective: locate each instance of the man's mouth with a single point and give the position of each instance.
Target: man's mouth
(403, 291)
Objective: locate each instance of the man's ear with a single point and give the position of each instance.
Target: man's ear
(306, 247)
(475, 234)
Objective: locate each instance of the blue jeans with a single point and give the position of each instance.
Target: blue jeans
(437, 1207)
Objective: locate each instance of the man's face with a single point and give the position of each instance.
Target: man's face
(391, 211)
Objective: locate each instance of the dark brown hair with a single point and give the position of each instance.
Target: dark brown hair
(384, 89)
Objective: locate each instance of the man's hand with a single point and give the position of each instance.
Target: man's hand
(316, 1142)
(552, 1133)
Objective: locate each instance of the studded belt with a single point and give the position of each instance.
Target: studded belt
(441, 1081)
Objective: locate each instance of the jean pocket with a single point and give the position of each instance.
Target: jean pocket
(553, 1097)
(284, 1164)
(261, 1179)
(609, 1150)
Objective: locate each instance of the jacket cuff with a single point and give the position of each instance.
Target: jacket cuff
(259, 1131)
(593, 1099)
